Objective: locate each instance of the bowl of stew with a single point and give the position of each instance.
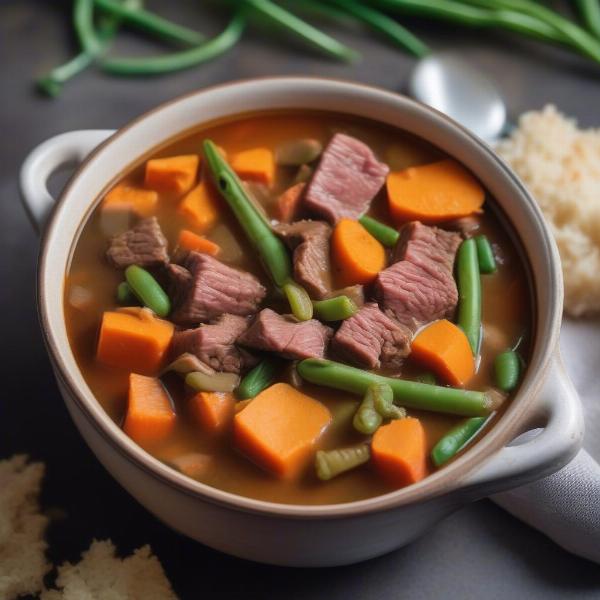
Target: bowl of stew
(301, 320)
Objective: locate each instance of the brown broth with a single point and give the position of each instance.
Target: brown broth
(506, 308)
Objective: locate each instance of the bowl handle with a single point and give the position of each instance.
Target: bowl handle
(531, 457)
(66, 149)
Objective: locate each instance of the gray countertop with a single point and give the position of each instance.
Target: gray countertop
(479, 552)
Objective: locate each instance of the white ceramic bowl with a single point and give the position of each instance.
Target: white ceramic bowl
(292, 534)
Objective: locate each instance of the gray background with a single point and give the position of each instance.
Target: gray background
(479, 552)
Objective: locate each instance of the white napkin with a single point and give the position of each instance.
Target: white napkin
(566, 505)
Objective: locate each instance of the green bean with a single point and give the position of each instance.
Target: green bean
(179, 60)
(383, 397)
(125, 295)
(455, 439)
(388, 236)
(330, 463)
(290, 23)
(383, 24)
(469, 293)
(148, 290)
(151, 22)
(334, 309)
(485, 255)
(258, 379)
(83, 20)
(507, 368)
(428, 378)
(299, 300)
(590, 15)
(212, 382)
(367, 419)
(408, 393)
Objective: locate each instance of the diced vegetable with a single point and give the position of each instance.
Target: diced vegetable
(367, 419)
(299, 300)
(194, 464)
(259, 378)
(294, 153)
(331, 463)
(173, 174)
(279, 428)
(455, 439)
(185, 363)
(190, 241)
(257, 164)
(200, 207)
(212, 382)
(438, 191)
(334, 309)
(150, 417)
(485, 255)
(80, 297)
(469, 293)
(126, 197)
(507, 369)
(383, 400)
(356, 255)
(148, 290)
(398, 451)
(287, 203)
(134, 342)
(125, 295)
(445, 349)
(409, 393)
(388, 236)
(213, 410)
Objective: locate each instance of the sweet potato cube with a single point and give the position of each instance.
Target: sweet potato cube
(150, 416)
(213, 410)
(128, 198)
(135, 341)
(257, 164)
(398, 451)
(200, 207)
(279, 428)
(173, 174)
(190, 241)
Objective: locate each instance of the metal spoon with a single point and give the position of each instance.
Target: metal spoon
(445, 82)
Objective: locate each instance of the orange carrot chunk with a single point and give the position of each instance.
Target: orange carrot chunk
(287, 205)
(356, 255)
(213, 410)
(279, 428)
(188, 240)
(257, 164)
(173, 174)
(200, 207)
(444, 348)
(126, 197)
(150, 416)
(135, 341)
(439, 191)
(398, 451)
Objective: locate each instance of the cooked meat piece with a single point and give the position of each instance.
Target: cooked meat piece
(143, 245)
(347, 179)
(466, 226)
(211, 288)
(286, 336)
(214, 344)
(371, 339)
(420, 287)
(310, 242)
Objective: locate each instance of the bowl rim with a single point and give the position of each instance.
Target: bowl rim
(439, 483)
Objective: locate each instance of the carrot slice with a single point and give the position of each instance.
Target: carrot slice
(288, 203)
(257, 164)
(444, 348)
(172, 174)
(438, 191)
(279, 428)
(126, 197)
(150, 416)
(200, 207)
(213, 410)
(188, 240)
(398, 451)
(356, 255)
(136, 341)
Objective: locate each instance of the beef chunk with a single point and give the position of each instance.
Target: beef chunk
(347, 179)
(466, 226)
(286, 336)
(143, 245)
(205, 288)
(420, 288)
(371, 339)
(310, 242)
(214, 344)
